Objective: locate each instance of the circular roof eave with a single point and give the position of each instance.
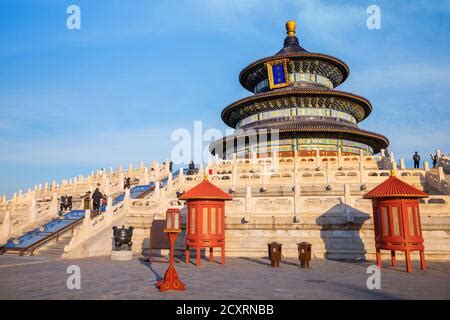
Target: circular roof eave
(381, 142)
(367, 106)
(337, 62)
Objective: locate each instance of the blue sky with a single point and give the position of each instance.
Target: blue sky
(76, 100)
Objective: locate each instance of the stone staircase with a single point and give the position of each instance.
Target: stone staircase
(55, 248)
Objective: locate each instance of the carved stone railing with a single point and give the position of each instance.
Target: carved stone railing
(444, 162)
(90, 227)
(438, 181)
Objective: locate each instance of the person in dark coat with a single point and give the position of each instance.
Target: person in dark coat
(96, 199)
(416, 159)
(191, 168)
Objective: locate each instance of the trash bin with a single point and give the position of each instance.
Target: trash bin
(304, 254)
(274, 249)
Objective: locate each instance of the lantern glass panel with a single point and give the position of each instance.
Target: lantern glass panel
(213, 220)
(385, 218)
(395, 221)
(411, 221)
(176, 222)
(192, 222)
(169, 220)
(205, 221)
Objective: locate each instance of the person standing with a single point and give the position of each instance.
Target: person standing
(416, 159)
(96, 198)
(434, 159)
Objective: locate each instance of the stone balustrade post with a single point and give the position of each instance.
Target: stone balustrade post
(297, 207)
(339, 152)
(253, 157)
(32, 218)
(156, 193)
(347, 202)
(146, 176)
(109, 213)
(5, 227)
(393, 163)
(402, 164)
(441, 174)
(107, 187)
(329, 175)
(130, 170)
(86, 226)
(54, 204)
(248, 204)
(154, 164)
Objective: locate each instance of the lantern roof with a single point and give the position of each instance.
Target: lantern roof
(393, 187)
(205, 190)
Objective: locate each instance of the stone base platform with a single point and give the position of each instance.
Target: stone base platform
(122, 255)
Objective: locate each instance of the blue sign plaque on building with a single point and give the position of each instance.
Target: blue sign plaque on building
(277, 73)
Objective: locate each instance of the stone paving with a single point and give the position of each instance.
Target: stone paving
(241, 278)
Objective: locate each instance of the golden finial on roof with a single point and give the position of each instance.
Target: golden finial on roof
(205, 176)
(290, 28)
(394, 172)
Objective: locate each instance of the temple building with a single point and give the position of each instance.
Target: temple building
(295, 107)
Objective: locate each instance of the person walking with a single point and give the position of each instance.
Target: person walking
(416, 159)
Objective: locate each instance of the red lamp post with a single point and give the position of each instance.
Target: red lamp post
(171, 280)
(397, 220)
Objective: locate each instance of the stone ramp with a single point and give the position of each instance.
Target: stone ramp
(55, 248)
(56, 234)
(31, 240)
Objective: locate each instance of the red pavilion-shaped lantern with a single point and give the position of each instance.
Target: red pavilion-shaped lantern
(397, 219)
(205, 221)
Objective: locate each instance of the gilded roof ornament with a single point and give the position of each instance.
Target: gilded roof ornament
(290, 28)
